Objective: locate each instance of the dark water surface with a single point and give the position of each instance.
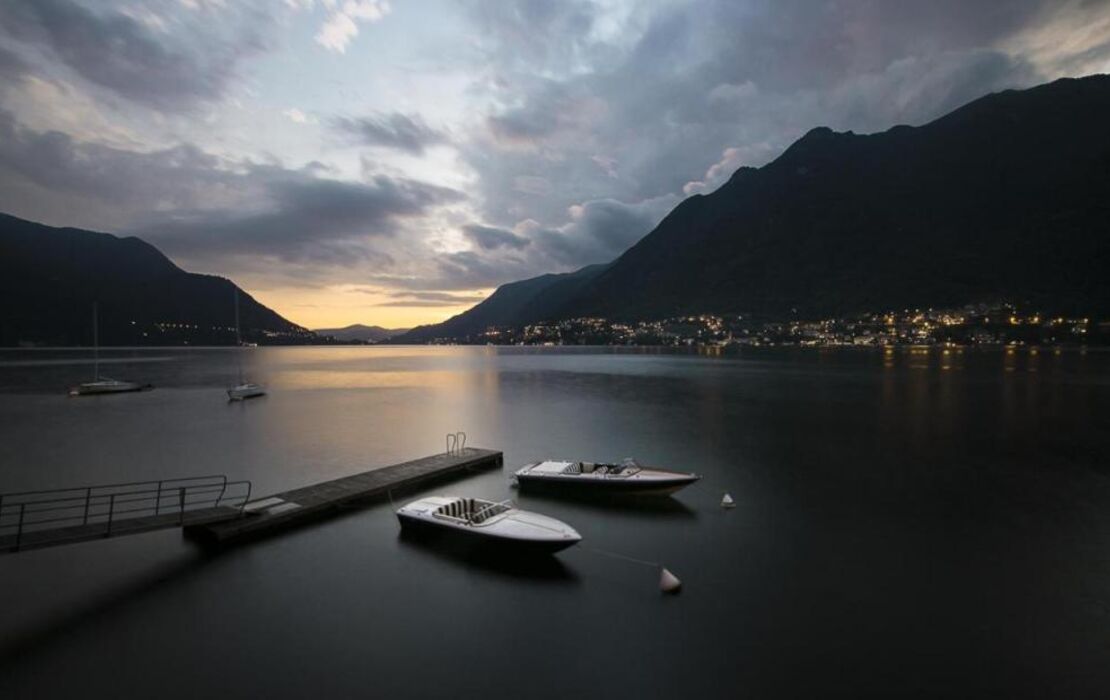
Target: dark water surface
(915, 522)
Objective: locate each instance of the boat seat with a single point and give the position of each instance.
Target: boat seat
(468, 508)
(454, 509)
(588, 467)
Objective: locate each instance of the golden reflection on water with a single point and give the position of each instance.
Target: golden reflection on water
(389, 367)
(370, 379)
(919, 358)
(1028, 359)
(929, 382)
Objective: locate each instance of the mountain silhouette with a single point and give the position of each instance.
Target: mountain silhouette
(359, 332)
(50, 277)
(1005, 198)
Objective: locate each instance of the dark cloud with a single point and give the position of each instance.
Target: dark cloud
(598, 231)
(423, 299)
(526, 125)
(521, 127)
(12, 67)
(916, 90)
(490, 238)
(661, 101)
(133, 59)
(530, 34)
(211, 208)
(429, 300)
(93, 174)
(399, 131)
(471, 270)
(612, 226)
(307, 219)
(444, 297)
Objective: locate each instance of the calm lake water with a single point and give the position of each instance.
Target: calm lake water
(912, 522)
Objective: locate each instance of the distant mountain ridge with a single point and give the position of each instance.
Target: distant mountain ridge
(49, 278)
(1007, 197)
(512, 304)
(359, 332)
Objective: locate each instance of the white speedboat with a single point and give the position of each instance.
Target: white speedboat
(246, 390)
(105, 385)
(598, 478)
(478, 522)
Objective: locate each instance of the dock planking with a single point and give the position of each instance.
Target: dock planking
(266, 515)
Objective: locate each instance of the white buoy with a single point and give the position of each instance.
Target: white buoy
(668, 582)
(727, 502)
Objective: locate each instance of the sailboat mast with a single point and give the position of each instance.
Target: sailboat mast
(238, 339)
(96, 345)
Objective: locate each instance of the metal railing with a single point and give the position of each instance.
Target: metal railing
(111, 505)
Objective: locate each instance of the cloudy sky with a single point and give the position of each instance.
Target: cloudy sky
(391, 162)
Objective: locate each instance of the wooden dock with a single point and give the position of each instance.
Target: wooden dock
(266, 515)
(36, 539)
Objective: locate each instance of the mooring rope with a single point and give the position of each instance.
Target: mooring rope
(614, 555)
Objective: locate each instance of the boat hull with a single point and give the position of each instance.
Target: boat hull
(595, 486)
(101, 388)
(475, 540)
(244, 392)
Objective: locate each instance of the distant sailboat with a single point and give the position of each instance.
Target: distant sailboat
(103, 385)
(244, 389)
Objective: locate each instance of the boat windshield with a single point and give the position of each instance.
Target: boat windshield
(485, 513)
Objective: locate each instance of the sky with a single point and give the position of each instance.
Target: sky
(391, 162)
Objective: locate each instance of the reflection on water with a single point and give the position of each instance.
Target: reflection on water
(629, 507)
(540, 569)
(100, 605)
(926, 519)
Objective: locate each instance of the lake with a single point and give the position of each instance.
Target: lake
(909, 522)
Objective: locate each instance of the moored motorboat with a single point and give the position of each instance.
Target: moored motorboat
(481, 523)
(599, 478)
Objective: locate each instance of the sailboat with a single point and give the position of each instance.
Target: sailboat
(99, 384)
(244, 389)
